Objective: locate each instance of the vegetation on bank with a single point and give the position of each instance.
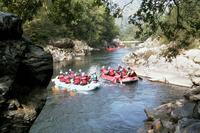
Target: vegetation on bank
(172, 20)
(89, 20)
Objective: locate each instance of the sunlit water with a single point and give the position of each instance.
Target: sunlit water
(112, 108)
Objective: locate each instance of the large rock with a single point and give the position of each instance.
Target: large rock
(10, 26)
(25, 71)
(188, 126)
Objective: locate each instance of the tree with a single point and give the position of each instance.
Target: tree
(26, 9)
(175, 19)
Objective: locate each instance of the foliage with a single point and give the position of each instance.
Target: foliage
(26, 9)
(177, 20)
(88, 20)
(129, 33)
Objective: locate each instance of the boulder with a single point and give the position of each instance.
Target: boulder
(192, 53)
(62, 43)
(197, 59)
(10, 26)
(186, 125)
(184, 111)
(25, 71)
(190, 93)
(161, 112)
(196, 80)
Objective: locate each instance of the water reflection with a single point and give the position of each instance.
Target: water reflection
(112, 108)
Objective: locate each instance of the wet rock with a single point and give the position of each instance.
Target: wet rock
(196, 80)
(162, 112)
(195, 97)
(197, 59)
(62, 43)
(168, 125)
(157, 126)
(188, 126)
(192, 92)
(185, 111)
(10, 26)
(25, 71)
(14, 104)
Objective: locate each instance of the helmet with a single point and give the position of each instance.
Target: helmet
(120, 69)
(109, 68)
(66, 73)
(80, 70)
(70, 70)
(61, 71)
(83, 74)
(75, 74)
(103, 67)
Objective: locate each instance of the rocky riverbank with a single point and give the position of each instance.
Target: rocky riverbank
(63, 49)
(184, 70)
(181, 116)
(25, 71)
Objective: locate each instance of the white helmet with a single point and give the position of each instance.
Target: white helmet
(83, 74)
(80, 70)
(109, 68)
(70, 70)
(61, 71)
(103, 67)
(66, 73)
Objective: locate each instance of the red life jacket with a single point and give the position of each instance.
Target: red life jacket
(77, 80)
(61, 78)
(103, 70)
(84, 80)
(124, 70)
(88, 78)
(67, 79)
(111, 72)
(123, 73)
(71, 74)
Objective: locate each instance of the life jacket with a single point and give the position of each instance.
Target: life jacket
(71, 74)
(67, 79)
(84, 80)
(88, 78)
(124, 70)
(123, 73)
(103, 70)
(112, 72)
(77, 80)
(61, 78)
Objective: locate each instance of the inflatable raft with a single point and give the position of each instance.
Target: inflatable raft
(118, 79)
(111, 49)
(71, 87)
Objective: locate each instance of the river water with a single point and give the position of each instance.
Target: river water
(112, 108)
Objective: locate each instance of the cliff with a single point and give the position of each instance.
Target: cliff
(25, 71)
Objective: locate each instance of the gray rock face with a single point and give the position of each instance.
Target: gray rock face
(10, 26)
(182, 116)
(25, 71)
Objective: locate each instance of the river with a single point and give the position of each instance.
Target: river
(113, 108)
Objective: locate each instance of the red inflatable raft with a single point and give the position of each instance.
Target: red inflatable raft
(111, 49)
(118, 79)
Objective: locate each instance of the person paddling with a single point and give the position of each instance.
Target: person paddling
(77, 79)
(111, 72)
(61, 77)
(131, 72)
(84, 79)
(94, 77)
(71, 73)
(67, 78)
